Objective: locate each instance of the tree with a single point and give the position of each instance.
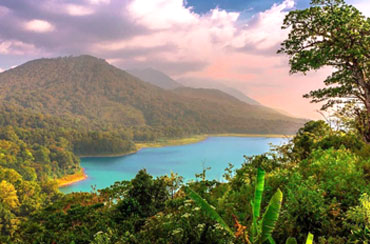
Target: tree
(8, 195)
(173, 182)
(333, 33)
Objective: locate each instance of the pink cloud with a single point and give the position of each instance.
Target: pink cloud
(14, 47)
(4, 11)
(39, 26)
(98, 2)
(161, 14)
(78, 10)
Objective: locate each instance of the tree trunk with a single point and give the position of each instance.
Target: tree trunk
(364, 83)
(367, 123)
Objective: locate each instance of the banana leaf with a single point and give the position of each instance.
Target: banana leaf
(309, 239)
(254, 234)
(256, 203)
(271, 215)
(208, 209)
(271, 240)
(260, 185)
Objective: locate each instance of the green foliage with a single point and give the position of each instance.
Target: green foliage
(183, 222)
(308, 136)
(271, 216)
(261, 228)
(101, 238)
(260, 184)
(358, 218)
(208, 209)
(8, 195)
(324, 175)
(320, 191)
(291, 240)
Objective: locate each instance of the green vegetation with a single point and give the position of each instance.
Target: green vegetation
(324, 190)
(261, 228)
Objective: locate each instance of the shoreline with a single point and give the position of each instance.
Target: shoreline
(251, 135)
(181, 141)
(154, 144)
(71, 179)
(81, 175)
(112, 155)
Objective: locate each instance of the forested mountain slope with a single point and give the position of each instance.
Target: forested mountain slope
(91, 90)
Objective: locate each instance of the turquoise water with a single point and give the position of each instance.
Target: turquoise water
(186, 160)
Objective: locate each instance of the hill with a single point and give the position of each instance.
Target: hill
(202, 83)
(89, 90)
(155, 77)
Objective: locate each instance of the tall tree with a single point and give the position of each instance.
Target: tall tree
(333, 33)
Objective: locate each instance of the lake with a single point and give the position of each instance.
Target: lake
(186, 160)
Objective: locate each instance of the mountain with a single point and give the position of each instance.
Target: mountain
(162, 80)
(220, 101)
(155, 77)
(89, 91)
(204, 83)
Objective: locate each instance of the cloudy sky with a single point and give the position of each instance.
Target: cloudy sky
(229, 41)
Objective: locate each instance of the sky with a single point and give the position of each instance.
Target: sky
(229, 41)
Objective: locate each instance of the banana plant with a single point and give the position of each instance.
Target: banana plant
(262, 227)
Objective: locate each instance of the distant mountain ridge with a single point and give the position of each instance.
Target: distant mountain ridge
(89, 89)
(202, 83)
(164, 81)
(155, 77)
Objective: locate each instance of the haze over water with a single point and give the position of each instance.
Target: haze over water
(186, 160)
